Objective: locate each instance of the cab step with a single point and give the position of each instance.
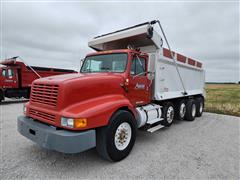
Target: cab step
(155, 128)
(154, 120)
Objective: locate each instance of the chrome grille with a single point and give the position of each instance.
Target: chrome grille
(45, 94)
(42, 115)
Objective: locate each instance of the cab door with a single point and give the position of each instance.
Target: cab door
(139, 84)
(10, 78)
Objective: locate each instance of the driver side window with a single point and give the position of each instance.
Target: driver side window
(10, 73)
(138, 66)
(4, 72)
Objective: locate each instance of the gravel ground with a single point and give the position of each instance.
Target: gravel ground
(207, 148)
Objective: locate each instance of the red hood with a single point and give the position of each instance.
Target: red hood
(74, 88)
(58, 78)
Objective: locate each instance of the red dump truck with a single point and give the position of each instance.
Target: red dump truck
(131, 82)
(16, 77)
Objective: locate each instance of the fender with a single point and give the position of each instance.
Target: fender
(98, 111)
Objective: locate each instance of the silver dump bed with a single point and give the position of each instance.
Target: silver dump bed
(166, 80)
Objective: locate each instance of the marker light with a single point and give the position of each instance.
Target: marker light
(80, 123)
(126, 82)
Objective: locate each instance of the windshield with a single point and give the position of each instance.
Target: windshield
(105, 63)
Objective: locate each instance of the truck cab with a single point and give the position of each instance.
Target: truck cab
(8, 77)
(131, 65)
(119, 75)
(16, 77)
(118, 90)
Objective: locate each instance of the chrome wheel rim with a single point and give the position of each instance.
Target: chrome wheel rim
(182, 110)
(123, 136)
(193, 110)
(170, 114)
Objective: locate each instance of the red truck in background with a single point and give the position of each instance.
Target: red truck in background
(131, 82)
(16, 77)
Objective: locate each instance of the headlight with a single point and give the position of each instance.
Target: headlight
(68, 122)
(73, 123)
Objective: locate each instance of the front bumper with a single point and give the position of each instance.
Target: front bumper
(59, 140)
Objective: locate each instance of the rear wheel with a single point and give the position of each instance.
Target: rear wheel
(115, 141)
(200, 106)
(168, 114)
(191, 109)
(180, 109)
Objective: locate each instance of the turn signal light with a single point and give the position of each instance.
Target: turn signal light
(80, 123)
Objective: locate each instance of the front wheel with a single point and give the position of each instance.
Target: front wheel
(1, 95)
(115, 141)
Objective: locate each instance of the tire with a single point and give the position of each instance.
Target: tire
(1, 95)
(26, 93)
(109, 145)
(200, 106)
(190, 110)
(168, 114)
(27, 96)
(180, 109)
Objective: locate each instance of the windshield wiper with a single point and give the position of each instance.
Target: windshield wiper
(87, 70)
(106, 68)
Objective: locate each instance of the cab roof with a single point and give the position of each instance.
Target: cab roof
(117, 51)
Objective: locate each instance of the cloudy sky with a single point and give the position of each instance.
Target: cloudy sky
(55, 34)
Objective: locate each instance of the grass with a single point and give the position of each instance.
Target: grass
(223, 99)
